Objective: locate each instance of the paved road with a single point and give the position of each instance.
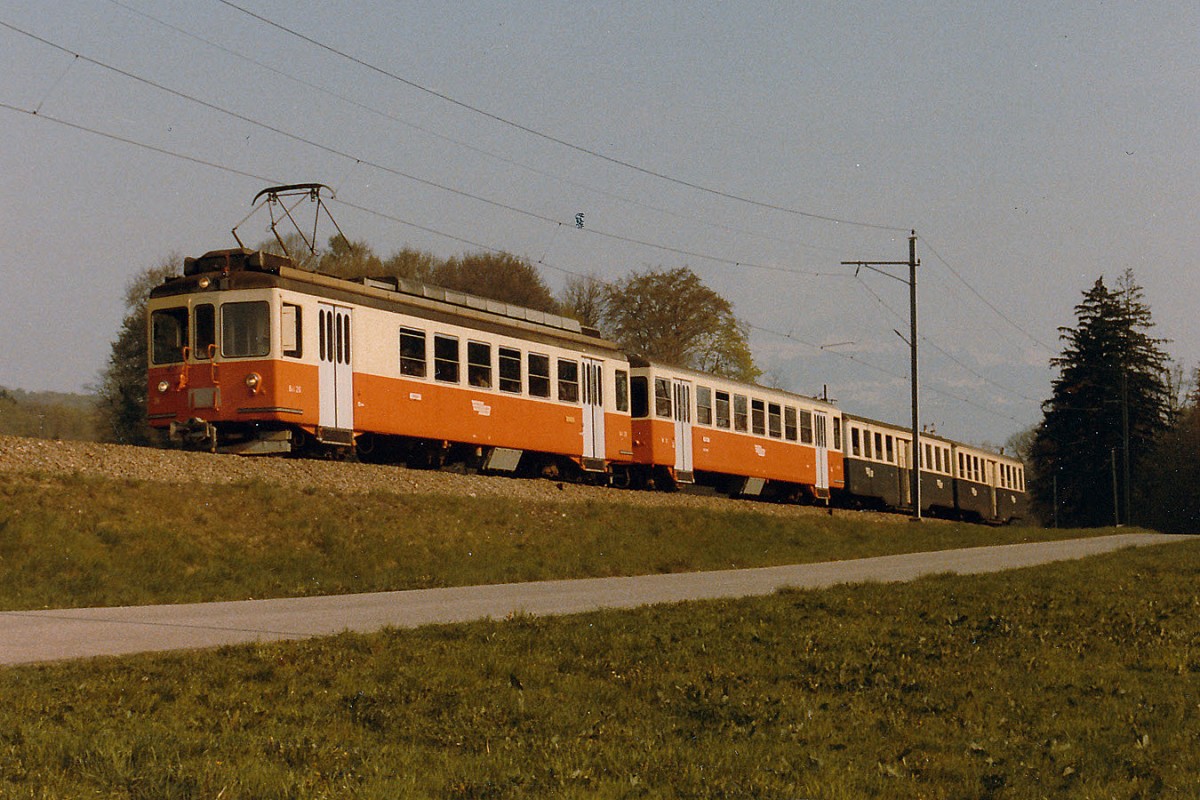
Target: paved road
(36, 636)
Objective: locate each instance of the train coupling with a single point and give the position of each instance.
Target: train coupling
(195, 434)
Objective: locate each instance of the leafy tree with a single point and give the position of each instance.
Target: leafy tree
(499, 276)
(1112, 373)
(298, 250)
(672, 316)
(121, 394)
(348, 259)
(411, 264)
(585, 298)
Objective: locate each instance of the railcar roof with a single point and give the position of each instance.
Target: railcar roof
(641, 361)
(412, 293)
(932, 436)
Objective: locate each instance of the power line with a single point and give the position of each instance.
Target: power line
(466, 145)
(408, 176)
(548, 137)
(987, 302)
(453, 237)
(125, 140)
(924, 338)
(142, 145)
(889, 373)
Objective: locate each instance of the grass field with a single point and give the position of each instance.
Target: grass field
(1071, 680)
(75, 541)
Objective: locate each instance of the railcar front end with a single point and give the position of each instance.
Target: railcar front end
(249, 355)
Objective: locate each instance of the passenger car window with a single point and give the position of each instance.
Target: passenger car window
(740, 415)
(412, 352)
(539, 375)
(662, 397)
(722, 409)
(704, 412)
(622, 379)
(510, 370)
(568, 381)
(445, 358)
(479, 365)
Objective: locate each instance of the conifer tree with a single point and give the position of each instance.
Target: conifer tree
(121, 401)
(1113, 379)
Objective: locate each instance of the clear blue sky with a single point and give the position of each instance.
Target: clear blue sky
(1034, 147)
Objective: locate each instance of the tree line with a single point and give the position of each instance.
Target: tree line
(1117, 443)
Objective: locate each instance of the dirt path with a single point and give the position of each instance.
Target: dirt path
(37, 636)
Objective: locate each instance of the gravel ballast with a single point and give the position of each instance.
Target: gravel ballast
(127, 463)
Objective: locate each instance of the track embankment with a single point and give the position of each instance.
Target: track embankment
(127, 463)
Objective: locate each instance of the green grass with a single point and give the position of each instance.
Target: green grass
(1069, 680)
(76, 541)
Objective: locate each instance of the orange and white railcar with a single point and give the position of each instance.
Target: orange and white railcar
(692, 427)
(249, 354)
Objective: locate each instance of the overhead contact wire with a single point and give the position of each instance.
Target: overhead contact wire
(550, 138)
(399, 173)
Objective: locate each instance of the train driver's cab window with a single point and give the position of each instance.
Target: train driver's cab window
(412, 352)
(204, 320)
(704, 412)
(639, 396)
(169, 335)
(510, 370)
(568, 381)
(245, 329)
(479, 365)
(291, 330)
(741, 416)
(445, 358)
(662, 397)
(539, 375)
(622, 380)
(722, 409)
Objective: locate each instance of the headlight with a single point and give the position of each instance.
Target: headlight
(163, 386)
(253, 381)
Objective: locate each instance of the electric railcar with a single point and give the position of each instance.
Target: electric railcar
(248, 354)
